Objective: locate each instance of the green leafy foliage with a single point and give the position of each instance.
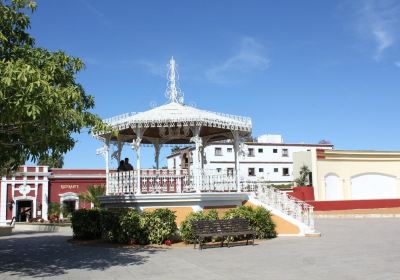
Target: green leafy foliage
(186, 226)
(52, 160)
(41, 103)
(86, 223)
(159, 225)
(124, 225)
(259, 218)
(302, 180)
(54, 209)
(282, 186)
(92, 194)
(110, 225)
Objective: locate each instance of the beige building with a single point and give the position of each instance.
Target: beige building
(351, 175)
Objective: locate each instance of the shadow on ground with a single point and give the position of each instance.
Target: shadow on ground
(52, 255)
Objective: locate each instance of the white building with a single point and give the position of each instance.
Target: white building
(267, 158)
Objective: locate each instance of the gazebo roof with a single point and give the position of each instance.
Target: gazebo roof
(174, 120)
(175, 114)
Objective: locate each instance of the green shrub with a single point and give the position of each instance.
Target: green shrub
(110, 226)
(86, 223)
(158, 225)
(259, 218)
(130, 227)
(186, 226)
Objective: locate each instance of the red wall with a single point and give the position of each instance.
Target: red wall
(307, 194)
(303, 193)
(62, 185)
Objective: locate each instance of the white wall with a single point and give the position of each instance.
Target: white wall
(373, 186)
(267, 164)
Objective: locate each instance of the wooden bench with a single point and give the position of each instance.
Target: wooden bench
(221, 228)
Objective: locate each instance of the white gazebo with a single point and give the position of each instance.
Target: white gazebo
(172, 123)
(194, 189)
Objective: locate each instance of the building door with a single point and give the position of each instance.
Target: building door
(333, 187)
(68, 207)
(24, 210)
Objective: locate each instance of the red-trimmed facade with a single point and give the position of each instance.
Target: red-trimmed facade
(28, 193)
(307, 194)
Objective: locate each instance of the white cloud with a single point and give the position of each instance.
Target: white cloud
(379, 19)
(95, 11)
(250, 57)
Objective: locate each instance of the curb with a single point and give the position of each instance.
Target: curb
(355, 216)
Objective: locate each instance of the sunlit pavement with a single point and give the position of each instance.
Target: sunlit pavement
(348, 249)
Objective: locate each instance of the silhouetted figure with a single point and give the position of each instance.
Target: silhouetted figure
(128, 166)
(121, 166)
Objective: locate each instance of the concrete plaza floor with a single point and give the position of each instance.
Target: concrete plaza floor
(348, 249)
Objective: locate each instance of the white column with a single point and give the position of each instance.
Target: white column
(107, 158)
(196, 159)
(236, 147)
(104, 151)
(136, 147)
(45, 199)
(138, 188)
(3, 204)
(157, 148)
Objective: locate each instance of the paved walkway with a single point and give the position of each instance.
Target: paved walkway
(348, 249)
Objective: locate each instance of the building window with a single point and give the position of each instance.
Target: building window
(252, 172)
(285, 171)
(218, 151)
(260, 151)
(229, 171)
(261, 170)
(219, 170)
(285, 152)
(229, 150)
(174, 163)
(275, 170)
(251, 152)
(275, 151)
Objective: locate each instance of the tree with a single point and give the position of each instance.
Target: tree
(92, 194)
(52, 160)
(41, 103)
(175, 149)
(302, 180)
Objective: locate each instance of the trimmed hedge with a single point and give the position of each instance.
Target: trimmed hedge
(260, 220)
(86, 223)
(124, 226)
(129, 226)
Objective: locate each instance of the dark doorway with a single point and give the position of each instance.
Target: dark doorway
(68, 207)
(24, 210)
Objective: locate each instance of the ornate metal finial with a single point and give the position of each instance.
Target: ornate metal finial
(174, 94)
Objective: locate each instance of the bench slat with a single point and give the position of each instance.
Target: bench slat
(221, 228)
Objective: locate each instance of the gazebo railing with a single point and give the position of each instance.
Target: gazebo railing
(168, 181)
(214, 181)
(151, 181)
(300, 210)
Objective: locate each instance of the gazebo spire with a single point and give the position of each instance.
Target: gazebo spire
(173, 93)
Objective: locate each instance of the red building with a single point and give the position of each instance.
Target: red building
(28, 193)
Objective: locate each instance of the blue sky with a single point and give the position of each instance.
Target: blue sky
(308, 70)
